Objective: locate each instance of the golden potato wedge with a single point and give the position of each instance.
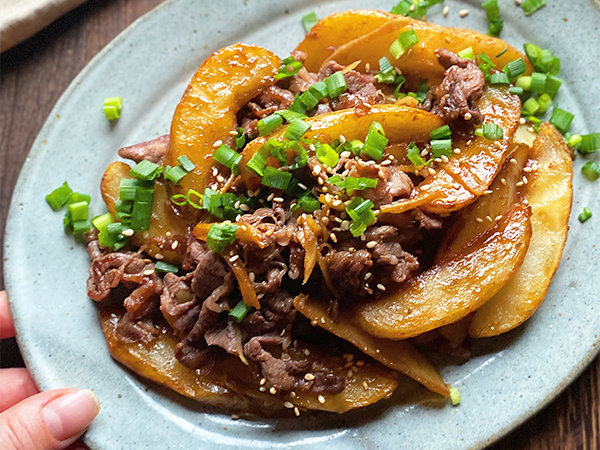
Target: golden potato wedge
(401, 124)
(156, 362)
(165, 222)
(420, 61)
(398, 355)
(456, 286)
(549, 192)
(206, 114)
(481, 215)
(469, 174)
(337, 29)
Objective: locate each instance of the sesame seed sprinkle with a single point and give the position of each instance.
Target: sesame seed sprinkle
(488, 192)
(350, 374)
(513, 161)
(218, 143)
(468, 115)
(302, 186)
(270, 197)
(220, 178)
(296, 411)
(128, 232)
(463, 12)
(446, 11)
(309, 377)
(174, 245)
(522, 121)
(368, 275)
(371, 244)
(234, 258)
(159, 256)
(288, 405)
(272, 391)
(497, 218)
(262, 389)
(444, 158)
(456, 151)
(526, 169)
(333, 237)
(233, 133)
(503, 181)
(277, 199)
(148, 272)
(244, 207)
(381, 287)
(367, 69)
(252, 276)
(235, 417)
(519, 184)
(478, 219)
(365, 384)
(321, 399)
(431, 170)
(215, 171)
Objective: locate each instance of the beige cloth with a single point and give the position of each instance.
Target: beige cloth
(20, 19)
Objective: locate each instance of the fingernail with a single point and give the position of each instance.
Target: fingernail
(70, 414)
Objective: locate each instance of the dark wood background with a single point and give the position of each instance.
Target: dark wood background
(34, 75)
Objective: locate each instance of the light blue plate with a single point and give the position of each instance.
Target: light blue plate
(149, 65)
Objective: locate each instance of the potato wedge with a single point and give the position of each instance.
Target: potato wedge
(480, 216)
(224, 83)
(456, 286)
(398, 355)
(156, 362)
(420, 61)
(165, 222)
(338, 29)
(401, 124)
(549, 192)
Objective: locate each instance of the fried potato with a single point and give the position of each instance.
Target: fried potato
(337, 29)
(164, 221)
(420, 61)
(549, 192)
(398, 355)
(481, 215)
(206, 114)
(401, 124)
(456, 286)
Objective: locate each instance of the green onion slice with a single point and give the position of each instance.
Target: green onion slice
(296, 129)
(221, 235)
(336, 85)
(309, 202)
(103, 220)
(561, 119)
(414, 156)
(277, 179)
(175, 174)
(406, 40)
(228, 157)
(112, 107)
(309, 20)
(146, 170)
(490, 131)
(326, 154)
(585, 214)
(591, 170)
(268, 124)
(186, 163)
(590, 143)
(59, 196)
(353, 183)
(239, 311)
(375, 142)
(531, 6)
(163, 267)
(441, 132)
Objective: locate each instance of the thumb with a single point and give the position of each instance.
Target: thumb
(51, 420)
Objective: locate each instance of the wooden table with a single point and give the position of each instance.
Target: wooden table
(35, 74)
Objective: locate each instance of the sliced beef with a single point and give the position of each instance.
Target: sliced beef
(389, 255)
(302, 81)
(427, 221)
(130, 330)
(392, 184)
(361, 91)
(228, 336)
(153, 151)
(462, 85)
(347, 272)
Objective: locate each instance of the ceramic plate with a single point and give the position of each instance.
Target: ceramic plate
(149, 65)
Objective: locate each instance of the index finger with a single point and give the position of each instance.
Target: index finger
(6, 323)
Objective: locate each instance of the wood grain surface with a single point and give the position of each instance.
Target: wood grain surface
(34, 75)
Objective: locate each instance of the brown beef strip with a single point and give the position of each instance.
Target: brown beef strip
(153, 151)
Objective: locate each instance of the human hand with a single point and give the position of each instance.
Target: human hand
(33, 420)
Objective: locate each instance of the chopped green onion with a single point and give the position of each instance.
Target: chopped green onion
(375, 142)
(467, 53)
(524, 82)
(268, 124)
(499, 78)
(486, 65)
(128, 188)
(186, 163)
(386, 74)
(415, 9)
(79, 211)
(353, 183)
(277, 179)
(220, 236)
(191, 202)
(414, 156)
(240, 139)
(573, 140)
(222, 206)
(590, 143)
(59, 196)
(146, 170)
(502, 52)
(81, 226)
(585, 214)
(536, 123)
(550, 63)
(591, 170)
(422, 90)
(490, 131)
(561, 119)
(112, 107)
(103, 220)
(309, 100)
(538, 82)
(296, 129)
(142, 209)
(259, 160)
(308, 202)
(406, 40)
(545, 101)
(111, 236)
(361, 213)
(319, 90)
(515, 68)
(309, 20)
(455, 396)
(402, 8)
(297, 105)
(553, 83)
(326, 154)
(239, 311)
(289, 68)
(400, 80)
(531, 6)
(301, 158)
(79, 197)
(175, 174)
(516, 90)
(228, 157)
(441, 147)
(531, 106)
(179, 199)
(534, 54)
(441, 132)
(493, 16)
(163, 267)
(290, 116)
(336, 85)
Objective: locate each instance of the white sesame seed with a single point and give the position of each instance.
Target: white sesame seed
(519, 184)
(534, 167)
(397, 70)
(238, 217)
(302, 186)
(456, 151)
(431, 171)
(325, 220)
(252, 276)
(365, 384)
(444, 159)
(456, 186)
(531, 129)
(385, 162)
(235, 417)
(446, 11)
(447, 39)
(522, 121)
(412, 7)
(381, 287)
(333, 237)
(220, 178)
(128, 232)
(263, 381)
(513, 161)
(525, 180)
(233, 133)
(371, 244)
(367, 69)
(309, 377)
(218, 143)
(311, 147)
(269, 232)
(306, 352)
(320, 180)
(174, 245)
(244, 207)
(288, 405)
(345, 225)
(526, 169)
(148, 272)
(488, 192)
(478, 219)
(424, 152)
(438, 160)
(363, 237)
(360, 363)
(452, 198)
(342, 137)
(498, 144)
(215, 171)
(503, 181)
(368, 275)
(262, 388)
(525, 201)
(270, 197)
(463, 12)
(350, 374)
(468, 115)
(497, 218)
(234, 258)
(489, 218)
(250, 193)
(336, 202)
(159, 256)
(293, 394)
(296, 411)
(321, 399)
(277, 199)
(272, 391)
